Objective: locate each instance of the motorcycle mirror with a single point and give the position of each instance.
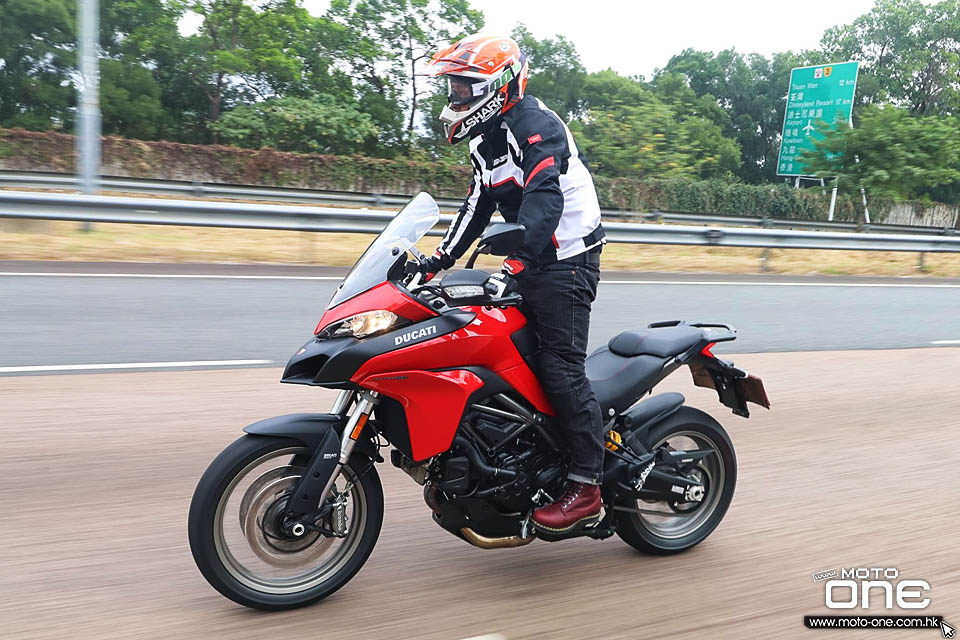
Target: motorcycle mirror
(395, 272)
(502, 239)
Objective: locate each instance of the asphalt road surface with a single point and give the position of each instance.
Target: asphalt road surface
(855, 466)
(103, 314)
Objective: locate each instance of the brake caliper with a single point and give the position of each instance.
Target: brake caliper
(339, 516)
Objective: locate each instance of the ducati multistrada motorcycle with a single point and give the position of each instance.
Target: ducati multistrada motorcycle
(444, 373)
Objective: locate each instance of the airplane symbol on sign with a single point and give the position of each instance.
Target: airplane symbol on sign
(809, 128)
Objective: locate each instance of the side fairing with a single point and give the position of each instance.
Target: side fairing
(430, 381)
(484, 342)
(525, 381)
(433, 402)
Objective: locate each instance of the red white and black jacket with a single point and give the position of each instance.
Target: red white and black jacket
(529, 168)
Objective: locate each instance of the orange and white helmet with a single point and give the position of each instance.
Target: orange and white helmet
(486, 75)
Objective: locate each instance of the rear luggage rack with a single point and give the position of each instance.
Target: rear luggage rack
(714, 331)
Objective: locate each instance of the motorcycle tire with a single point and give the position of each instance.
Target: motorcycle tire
(216, 553)
(672, 534)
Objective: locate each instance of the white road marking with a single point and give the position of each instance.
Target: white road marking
(760, 283)
(945, 342)
(164, 275)
(132, 365)
(751, 283)
(488, 636)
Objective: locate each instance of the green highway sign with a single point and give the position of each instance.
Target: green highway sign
(824, 92)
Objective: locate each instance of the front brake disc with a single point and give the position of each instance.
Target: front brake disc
(259, 522)
(257, 486)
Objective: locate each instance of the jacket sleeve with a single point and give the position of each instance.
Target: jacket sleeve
(472, 218)
(543, 154)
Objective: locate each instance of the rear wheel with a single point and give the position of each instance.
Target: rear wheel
(663, 527)
(239, 546)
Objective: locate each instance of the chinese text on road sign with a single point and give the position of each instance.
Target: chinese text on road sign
(821, 93)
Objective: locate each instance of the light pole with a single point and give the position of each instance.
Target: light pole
(88, 129)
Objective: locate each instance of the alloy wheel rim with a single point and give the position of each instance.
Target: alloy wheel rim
(674, 524)
(316, 567)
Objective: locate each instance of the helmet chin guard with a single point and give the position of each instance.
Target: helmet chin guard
(459, 125)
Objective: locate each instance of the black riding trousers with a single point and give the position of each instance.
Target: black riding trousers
(557, 299)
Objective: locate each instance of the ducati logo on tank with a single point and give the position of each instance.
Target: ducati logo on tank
(410, 336)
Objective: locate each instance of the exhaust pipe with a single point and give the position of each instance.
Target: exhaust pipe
(484, 542)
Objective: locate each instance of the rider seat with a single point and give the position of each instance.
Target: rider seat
(662, 341)
(630, 364)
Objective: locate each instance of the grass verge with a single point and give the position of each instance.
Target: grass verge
(20, 240)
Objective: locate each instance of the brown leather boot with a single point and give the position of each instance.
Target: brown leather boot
(577, 507)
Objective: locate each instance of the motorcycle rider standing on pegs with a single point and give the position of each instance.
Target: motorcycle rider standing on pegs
(526, 163)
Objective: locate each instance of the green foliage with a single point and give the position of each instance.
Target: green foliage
(749, 89)
(909, 53)
(318, 125)
(217, 163)
(630, 131)
(9, 149)
(129, 100)
(608, 89)
(393, 40)
(720, 197)
(240, 52)
(673, 89)
(268, 73)
(556, 73)
(166, 160)
(138, 30)
(36, 58)
(900, 156)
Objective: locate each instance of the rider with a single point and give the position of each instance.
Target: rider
(526, 162)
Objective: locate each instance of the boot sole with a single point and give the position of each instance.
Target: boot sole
(582, 522)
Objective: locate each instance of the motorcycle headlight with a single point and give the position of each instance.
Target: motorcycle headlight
(363, 325)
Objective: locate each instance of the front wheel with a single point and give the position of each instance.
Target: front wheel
(662, 527)
(241, 551)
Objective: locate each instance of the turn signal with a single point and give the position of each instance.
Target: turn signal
(613, 439)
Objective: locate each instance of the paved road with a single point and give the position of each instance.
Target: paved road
(854, 466)
(161, 314)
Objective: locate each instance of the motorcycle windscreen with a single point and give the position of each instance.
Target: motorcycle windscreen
(403, 232)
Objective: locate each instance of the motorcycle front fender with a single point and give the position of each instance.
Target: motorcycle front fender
(307, 428)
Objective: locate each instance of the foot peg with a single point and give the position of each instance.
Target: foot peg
(594, 530)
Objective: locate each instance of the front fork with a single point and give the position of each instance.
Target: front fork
(351, 432)
(342, 404)
(306, 504)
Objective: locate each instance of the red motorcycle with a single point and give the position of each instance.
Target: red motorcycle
(444, 373)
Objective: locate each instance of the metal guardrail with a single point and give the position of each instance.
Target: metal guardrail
(61, 206)
(785, 223)
(39, 180)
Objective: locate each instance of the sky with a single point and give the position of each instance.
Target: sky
(636, 37)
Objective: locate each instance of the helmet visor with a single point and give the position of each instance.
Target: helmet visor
(463, 91)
